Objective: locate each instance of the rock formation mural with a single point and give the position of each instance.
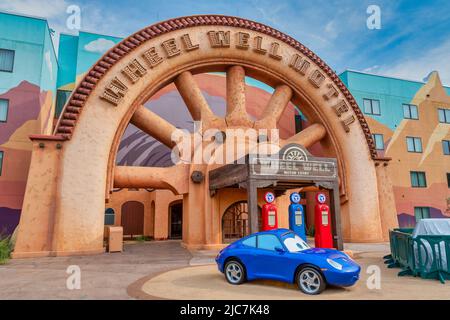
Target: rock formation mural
(30, 112)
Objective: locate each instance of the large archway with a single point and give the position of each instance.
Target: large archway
(74, 170)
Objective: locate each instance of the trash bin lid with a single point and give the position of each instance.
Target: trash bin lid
(438, 227)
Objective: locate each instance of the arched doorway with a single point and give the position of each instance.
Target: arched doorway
(77, 166)
(176, 220)
(132, 219)
(235, 222)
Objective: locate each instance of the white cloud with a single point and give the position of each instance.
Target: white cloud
(331, 29)
(100, 45)
(419, 66)
(371, 69)
(42, 8)
(48, 61)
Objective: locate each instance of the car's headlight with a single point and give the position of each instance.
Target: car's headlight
(334, 264)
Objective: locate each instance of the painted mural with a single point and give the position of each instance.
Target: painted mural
(430, 97)
(30, 92)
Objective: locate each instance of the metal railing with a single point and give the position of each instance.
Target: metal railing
(426, 256)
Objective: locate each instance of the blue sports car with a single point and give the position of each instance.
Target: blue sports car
(282, 255)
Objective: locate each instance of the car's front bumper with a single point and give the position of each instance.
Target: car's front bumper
(342, 278)
(219, 264)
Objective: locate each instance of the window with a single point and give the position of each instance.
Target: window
(298, 123)
(6, 60)
(444, 115)
(268, 242)
(379, 142)
(372, 106)
(410, 111)
(1, 162)
(448, 179)
(250, 242)
(421, 213)
(4, 104)
(61, 98)
(418, 179)
(446, 147)
(414, 144)
(109, 217)
(294, 243)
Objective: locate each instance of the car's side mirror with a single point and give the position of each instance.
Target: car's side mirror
(279, 249)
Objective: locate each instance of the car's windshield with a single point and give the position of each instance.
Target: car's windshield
(294, 243)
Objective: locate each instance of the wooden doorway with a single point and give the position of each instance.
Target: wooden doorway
(235, 222)
(176, 221)
(132, 219)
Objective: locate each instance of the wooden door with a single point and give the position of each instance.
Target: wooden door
(133, 218)
(176, 221)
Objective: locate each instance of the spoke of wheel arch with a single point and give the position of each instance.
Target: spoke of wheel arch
(195, 101)
(275, 107)
(170, 178)
(308, 136)
(154, 125)
(236, 111)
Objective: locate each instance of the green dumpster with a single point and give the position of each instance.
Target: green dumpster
(418, 254)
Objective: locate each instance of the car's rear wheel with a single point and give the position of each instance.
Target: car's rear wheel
(234, 272)
(310, 281)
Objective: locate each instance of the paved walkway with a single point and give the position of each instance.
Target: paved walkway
(164, 270)
(106, 276)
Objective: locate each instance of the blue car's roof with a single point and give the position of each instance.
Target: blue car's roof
(277, 232)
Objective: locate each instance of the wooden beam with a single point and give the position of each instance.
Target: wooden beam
(308, 136)
(252, 201)
(195, 101)
(275, 107)
(174, 178)
(236, 111)
(335, 208)
(154, 125)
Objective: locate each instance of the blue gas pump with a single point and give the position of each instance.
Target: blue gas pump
(296, 216)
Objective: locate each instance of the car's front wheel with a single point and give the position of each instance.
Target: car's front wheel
(234, 272)
(310, 281)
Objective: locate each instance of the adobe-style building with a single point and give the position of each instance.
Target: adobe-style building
(28, 72)
(410, 122)
(108, 159)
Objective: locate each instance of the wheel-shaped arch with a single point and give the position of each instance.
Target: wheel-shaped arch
(112, 95)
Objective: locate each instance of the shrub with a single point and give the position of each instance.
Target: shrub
(142, 238)
(5, 249)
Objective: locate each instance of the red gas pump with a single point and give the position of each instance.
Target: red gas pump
(322, 221)
(269, 213)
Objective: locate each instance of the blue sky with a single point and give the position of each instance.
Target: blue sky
(414, 38)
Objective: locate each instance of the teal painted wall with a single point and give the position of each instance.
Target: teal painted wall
(391, 92)
(91, 48)
(26, 37)
(67, 58)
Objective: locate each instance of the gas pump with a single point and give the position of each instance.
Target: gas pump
(296, 216)
(269, 213)
(322, 222)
